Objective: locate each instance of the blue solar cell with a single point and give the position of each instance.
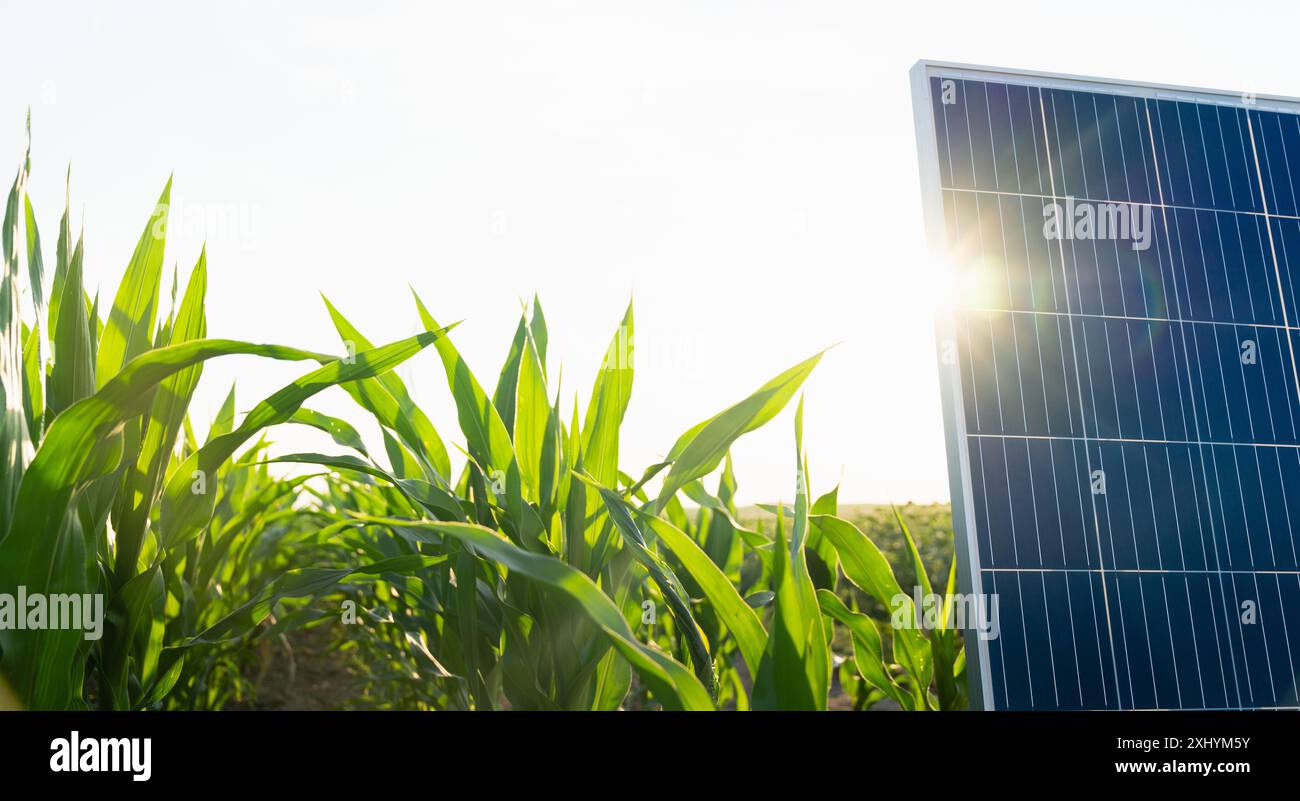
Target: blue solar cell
(1125, 427)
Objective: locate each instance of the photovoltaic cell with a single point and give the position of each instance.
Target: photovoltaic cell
(1125, 422)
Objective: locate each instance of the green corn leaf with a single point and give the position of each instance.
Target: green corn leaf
(34, 349)
(167, 414)
(127, 613)
(699, 451)
(738, 616)
(426, 495)
(33, 385)
(823, 559)
(173, 663)
(609, 400)
(72, 376)
(723, 513)
(46, 668)
(537, 327)
(795, 673)
(35, 264)
(782, 682)
(96, 325)
(575, 513)
(550, 485)
(864, 563)
(945, 646)
(868, 649)
(503, 397)
(341, 431)
(917, 564)
(62, 257)
(720, 538)
(187, 504)
(403, 462)
(15, 442)
(868, 569)
(532, 417)
(485, 433)
(817, 663)
(129, 329)
(224, 422)
(673, 685)
(386, 397)
(949, 595)
(669, 585)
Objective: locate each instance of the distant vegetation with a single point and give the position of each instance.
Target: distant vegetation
(930, 524)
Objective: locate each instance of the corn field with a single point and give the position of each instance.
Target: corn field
(543, 574)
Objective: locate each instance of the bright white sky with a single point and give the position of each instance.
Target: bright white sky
(746, 169)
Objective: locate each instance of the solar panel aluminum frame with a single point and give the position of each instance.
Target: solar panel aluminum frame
(979, 673)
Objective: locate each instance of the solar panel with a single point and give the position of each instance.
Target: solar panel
(1122, 398)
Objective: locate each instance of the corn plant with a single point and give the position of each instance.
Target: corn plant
(96, 499)
(531, 572)
(562, 583)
